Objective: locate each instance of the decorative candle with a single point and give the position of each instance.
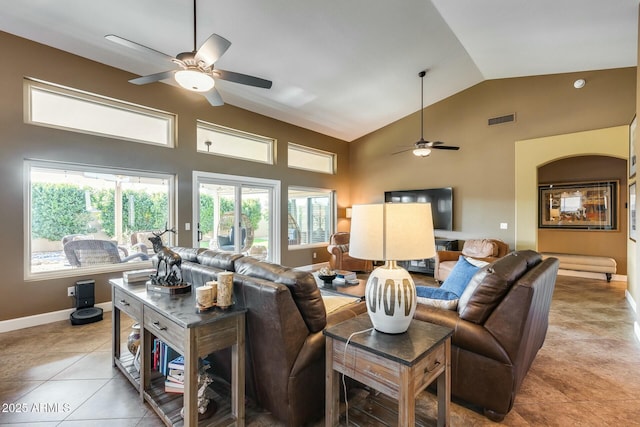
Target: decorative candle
(225, 289)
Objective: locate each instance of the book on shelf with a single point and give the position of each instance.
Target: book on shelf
(162, 355)
(177, 363)
(177, 374)
(174, 381)
(173, 387)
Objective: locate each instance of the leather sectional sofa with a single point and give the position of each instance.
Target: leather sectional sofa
(285, 360)
(488, 250)
(500, 324)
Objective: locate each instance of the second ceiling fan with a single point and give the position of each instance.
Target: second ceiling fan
(422, 148)
(196, 70)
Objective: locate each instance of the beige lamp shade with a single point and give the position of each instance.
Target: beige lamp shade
(392, 231)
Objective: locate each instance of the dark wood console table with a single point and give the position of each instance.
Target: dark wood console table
(174, 320)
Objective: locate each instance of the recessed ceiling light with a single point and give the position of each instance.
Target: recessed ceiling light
(579, 84)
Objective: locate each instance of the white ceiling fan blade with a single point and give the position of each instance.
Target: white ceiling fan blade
(152, 78)
(214, 97)
(212, 49)
(138, 47)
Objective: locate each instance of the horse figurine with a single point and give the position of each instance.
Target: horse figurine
(172, 261)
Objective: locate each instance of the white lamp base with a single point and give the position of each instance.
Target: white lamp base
(390, 295)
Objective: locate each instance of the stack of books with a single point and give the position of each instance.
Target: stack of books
(174, 383)
(345, 277)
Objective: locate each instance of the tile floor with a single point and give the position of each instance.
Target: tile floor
(587, 373)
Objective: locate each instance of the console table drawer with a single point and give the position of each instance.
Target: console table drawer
(164, 328)
(128, 304)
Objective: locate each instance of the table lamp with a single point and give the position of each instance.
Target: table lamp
(391, 232)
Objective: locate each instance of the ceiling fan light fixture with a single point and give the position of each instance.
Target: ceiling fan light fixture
(194, 80)
(421, 152)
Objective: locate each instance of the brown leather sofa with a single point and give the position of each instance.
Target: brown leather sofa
(500, 324)
(285, 347)
(487, 250)
(340, 258)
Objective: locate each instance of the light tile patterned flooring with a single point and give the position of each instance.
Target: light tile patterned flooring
(587, 373)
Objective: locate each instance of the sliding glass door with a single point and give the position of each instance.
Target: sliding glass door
(237, 214)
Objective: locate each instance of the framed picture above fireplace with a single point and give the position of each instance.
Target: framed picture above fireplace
(580, 206)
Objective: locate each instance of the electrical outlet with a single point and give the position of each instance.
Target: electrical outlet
(71, 291)
(315, 255)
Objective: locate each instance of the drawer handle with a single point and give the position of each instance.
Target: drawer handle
(435, 366)
(124, 302)
(156, 325)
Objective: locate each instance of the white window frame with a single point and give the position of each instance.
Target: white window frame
(329, 157)
(201, 147)
(332, 209)
(102, 102)
(239, 182)
(83, 271)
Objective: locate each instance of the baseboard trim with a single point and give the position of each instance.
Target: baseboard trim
(592, 275)
(44, 318)
(631, 301)
(634, 307)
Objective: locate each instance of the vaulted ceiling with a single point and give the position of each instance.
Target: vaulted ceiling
(344, 67)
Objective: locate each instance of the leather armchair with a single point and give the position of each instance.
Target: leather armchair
(340, 258)
(488, 250)
(499, 325)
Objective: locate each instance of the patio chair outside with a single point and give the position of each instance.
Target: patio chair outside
(82, 253)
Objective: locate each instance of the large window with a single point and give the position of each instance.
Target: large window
(65, 108)
(222, 141)
(301, 157)
(92, 219)
(237, 214)
(311, 216)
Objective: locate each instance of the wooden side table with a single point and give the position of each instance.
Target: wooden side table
(175, 320)
(399, 366)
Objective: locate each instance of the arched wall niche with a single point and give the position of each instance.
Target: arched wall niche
(588, 168)
(533, 153)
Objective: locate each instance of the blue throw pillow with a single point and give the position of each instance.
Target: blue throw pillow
(436, 297)
(459, 277)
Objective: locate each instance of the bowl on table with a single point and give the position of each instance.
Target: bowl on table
(327, 278)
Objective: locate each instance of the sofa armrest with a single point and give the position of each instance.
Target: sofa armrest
(466, 335)
(442, 256)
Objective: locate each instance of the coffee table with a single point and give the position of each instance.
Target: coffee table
(398, 365)
(346, 289)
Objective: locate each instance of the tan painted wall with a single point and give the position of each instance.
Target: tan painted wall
(483, 172)
(19, 141)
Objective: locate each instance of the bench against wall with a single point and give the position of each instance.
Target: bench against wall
(589, 263)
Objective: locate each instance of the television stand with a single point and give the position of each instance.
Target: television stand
(427, 265)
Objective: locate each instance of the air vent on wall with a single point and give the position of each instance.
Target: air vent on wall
(502, 119)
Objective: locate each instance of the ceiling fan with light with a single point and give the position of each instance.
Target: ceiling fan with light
(422, 148)
(196, 70)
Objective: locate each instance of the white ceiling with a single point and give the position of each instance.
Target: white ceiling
(344, 67)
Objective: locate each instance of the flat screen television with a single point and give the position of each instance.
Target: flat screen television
(441, 200)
